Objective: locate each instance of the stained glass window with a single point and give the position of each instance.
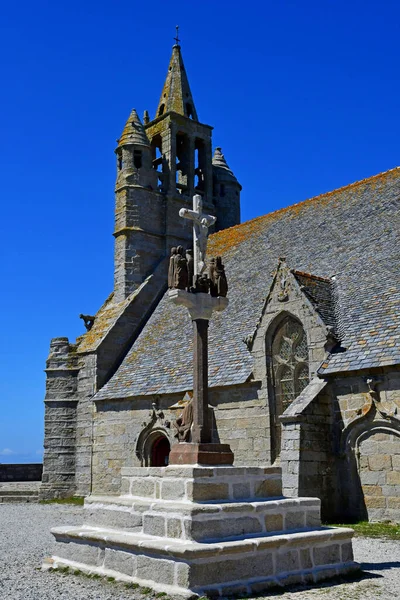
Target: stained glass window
(290, 362)
(289, 374)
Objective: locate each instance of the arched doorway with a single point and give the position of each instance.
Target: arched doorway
(160, 452)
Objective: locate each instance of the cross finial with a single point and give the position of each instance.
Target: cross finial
(177, 35)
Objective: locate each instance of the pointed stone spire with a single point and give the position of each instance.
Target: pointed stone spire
(176, 95)
(221, 166)
(134, 132)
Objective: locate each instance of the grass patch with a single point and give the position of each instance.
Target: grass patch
(145, 590)
(385, 530)
(77, 500)
(63, 570)
(132, 586)
(111, 579)
(161, 595)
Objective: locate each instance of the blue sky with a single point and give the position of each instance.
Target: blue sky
(304, 98)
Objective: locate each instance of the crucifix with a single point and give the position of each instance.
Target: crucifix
(200, 450)
(201, 224)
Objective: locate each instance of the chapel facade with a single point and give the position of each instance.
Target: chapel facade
(304, 365)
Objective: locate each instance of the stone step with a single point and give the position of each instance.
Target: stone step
(202, 484)
(17, 492)
(4, 498)
(202, 522)
(182, 568)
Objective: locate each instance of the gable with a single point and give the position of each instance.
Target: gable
(288, 297)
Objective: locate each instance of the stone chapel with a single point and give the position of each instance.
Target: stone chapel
(304, 365)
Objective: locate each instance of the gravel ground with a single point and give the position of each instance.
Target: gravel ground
(25, 540)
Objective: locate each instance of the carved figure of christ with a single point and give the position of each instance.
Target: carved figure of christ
(201, 224)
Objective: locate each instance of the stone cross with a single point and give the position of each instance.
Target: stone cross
(200, 306)
(201, 224)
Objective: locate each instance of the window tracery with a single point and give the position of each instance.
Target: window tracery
(290, 361)
(287, 352)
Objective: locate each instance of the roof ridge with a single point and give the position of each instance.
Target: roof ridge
(350, 185)
(307, 200)
(310, 275)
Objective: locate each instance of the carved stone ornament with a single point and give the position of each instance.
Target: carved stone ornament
(171, 269)
(220, 278)
(190, 267)
(88, 321)
(386, 409)
(282, 281)
(184, 422)
(283, 295)
(248, 340)
(180, 270)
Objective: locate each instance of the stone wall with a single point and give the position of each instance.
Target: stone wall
(139, 237)
(240, 419)
(379, 470)
(84, 424)
(344, 445)
(20, 472)
(368, 426)
(58, 478)
(308, 450)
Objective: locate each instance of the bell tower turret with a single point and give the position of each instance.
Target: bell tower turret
(139, 211)
(226, 192)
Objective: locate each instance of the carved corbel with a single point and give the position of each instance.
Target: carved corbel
(331, 339)
(386, 409)
(248, 341)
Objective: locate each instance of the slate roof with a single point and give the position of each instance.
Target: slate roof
(320, 291)
(350, 234)
(133, 132)
(176, 94)
(104, 319)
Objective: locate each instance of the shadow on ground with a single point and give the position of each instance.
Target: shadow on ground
(383, 566)
(354, 577)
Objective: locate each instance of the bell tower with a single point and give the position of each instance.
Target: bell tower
(181, 149)
(161, 165)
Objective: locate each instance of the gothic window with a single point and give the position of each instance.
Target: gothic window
(290, 361)
(161, 110)
(289, 372)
